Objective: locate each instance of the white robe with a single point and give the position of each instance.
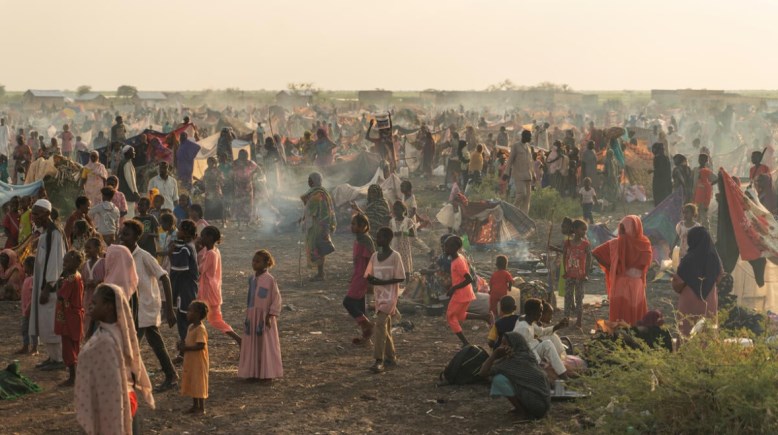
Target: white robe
(42, 316)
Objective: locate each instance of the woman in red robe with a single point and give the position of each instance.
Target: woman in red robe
(625, 260)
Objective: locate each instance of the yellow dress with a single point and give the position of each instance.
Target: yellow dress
(194, 381)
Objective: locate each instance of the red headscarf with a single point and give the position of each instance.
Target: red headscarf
(627, 251)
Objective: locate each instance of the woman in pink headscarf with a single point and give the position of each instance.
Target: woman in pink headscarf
(625, 260)
(120, 270)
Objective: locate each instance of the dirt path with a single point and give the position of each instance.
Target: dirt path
(326, 387)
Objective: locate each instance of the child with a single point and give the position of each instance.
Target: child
(11, 276)
(499, 284)
(461, 291)
(260, 348)
(184, 274)
(588, 199)
(92, 272)
(505, 323)
(25, 223)
(689, 214)
(578, 261)
(404, 230)
(111, 373)
(148, 240)
(385, 272)
(168, 223)
(149, 299)
(118, 197)
(557, 267)
(106, 216)
(211, 280)
(194, 380)
(529, 329)
(703, 188)
(156, 206)
(81, 233)
(547, 333)
(181, 210)
(69, 315)
(196, 215)
(29, 265)
(4, 168)
(354, 302)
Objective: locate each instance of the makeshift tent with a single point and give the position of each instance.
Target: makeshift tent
(208, 149)
(747, 232)
(354, 169)
(8, 191)
(493, 222)
(343, 194)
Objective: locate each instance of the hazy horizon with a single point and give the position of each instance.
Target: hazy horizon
(176, 45)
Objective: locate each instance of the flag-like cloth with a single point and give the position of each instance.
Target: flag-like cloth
(659, 224)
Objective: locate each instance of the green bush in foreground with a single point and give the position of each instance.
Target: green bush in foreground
(547, 202)
(707, 387)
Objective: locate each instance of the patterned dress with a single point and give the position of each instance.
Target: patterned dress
(260, 350)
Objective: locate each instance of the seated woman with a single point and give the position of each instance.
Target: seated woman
(517, 376)
(11, 276)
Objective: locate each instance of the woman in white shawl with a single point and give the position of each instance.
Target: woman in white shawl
(110, 368)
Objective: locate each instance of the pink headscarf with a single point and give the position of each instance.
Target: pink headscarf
(120, 269)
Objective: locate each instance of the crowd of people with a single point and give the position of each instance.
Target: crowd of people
(141, 246)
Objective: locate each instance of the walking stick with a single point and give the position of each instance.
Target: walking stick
(548, 259)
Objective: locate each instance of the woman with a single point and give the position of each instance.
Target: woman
(377, 210)
(661, 184)
(120, 270)
(320, 223)
(273, 163)
(517, 376)
(695, 282)
(11, 276)
(110, 369)
(625, 260)
(22, 158)
(323, 147)
(243, 177)
(213, 182)
(612, 182)
(682, 177)
(95, 175)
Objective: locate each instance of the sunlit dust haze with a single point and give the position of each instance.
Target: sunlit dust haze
(399, 44)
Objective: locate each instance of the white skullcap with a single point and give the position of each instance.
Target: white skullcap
(43, 203)
(126, 148)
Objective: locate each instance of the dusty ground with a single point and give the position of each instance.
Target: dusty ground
(327, 387)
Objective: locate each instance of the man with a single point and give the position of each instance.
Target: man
(167, 186)
(520, 167)
(383, 143)
(502, 137)
(127, 181)
(185, 157)
(150, 274)
(48, 268)
(5, 137)
(118, 130)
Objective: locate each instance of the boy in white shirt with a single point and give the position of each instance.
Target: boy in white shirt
(588, 199)
(105, 216)
(530, 330)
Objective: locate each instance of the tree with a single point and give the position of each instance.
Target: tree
(302, 87)
(83, 89)
(126, 91)
(505, 85)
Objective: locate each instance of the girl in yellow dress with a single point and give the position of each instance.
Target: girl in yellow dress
(194, 382)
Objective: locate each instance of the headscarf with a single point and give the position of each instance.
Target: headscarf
(522, 370)
(652, 318)
(615, 146)
(377, 209)
(626, 249)
(120, 269)
(315, 178)
(129, 343)
(701, 266)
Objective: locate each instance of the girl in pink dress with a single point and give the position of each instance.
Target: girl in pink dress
(260, 350)
(210, 264)
(92, 272)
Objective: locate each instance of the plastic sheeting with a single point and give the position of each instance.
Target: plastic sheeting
(8, 191)
(749, 295)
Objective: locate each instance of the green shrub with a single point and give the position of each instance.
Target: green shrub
(547, 202)
(707, 387)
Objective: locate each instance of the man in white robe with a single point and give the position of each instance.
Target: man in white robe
(48, 268)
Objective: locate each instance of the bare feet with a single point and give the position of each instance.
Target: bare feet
(195, 410)
(68, 383)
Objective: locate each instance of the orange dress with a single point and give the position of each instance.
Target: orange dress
(194, 380)
(626, 260)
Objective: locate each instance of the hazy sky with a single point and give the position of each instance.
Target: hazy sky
(396, 44)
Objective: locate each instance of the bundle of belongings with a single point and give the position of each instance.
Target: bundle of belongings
(649, 333)
(13, 384)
